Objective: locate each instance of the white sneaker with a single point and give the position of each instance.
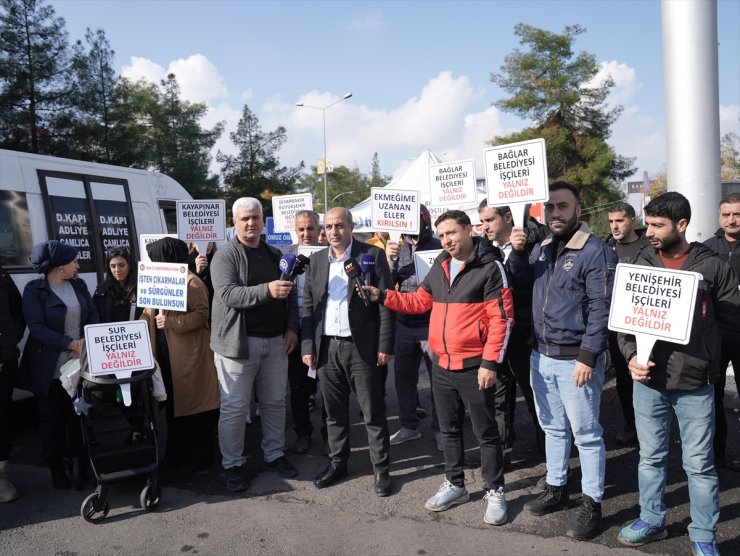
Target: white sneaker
(440, 442)
(447, 496)
(404, 435)
(8, 492)
(495, 507)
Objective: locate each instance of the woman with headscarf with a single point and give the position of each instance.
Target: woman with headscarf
(181, 345)
(56, 307)
(115, 297)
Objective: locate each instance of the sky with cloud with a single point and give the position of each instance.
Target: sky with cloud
(419, 72)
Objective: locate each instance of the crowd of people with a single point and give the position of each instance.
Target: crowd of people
(520, 305)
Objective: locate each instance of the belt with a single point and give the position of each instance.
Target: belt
(340, 338)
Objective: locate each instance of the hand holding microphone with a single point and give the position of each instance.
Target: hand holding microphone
(279, 289)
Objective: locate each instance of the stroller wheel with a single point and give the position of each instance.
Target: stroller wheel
(94, 508)
(150, 496)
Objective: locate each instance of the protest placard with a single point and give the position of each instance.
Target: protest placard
(162, 286)
(653, 304)
(201, 221)
(146, 239)
(285, 207)
(309, 250)
(278, 239)
(452, 183)
(395, 211)
(423, 261)
(516, 174)
(118, 346)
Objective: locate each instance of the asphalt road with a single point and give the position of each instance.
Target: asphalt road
(275, 516)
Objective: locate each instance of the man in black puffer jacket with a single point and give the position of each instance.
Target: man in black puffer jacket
(726, 243)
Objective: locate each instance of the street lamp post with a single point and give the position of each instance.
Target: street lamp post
(323, 110)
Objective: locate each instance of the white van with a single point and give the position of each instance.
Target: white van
(91, 206)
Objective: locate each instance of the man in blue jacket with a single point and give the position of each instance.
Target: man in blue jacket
(572, 274)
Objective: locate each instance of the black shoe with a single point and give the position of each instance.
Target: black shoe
(59, 475)
(302, 444)
(383, 484)
(586, 521)
(628, 435)
(552, 499)
(236, 481)
(330, 475)
(283, 467)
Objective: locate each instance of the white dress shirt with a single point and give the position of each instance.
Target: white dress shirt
(336, 316)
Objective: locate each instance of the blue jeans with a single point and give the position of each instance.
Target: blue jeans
(695, 413)
(562, 408)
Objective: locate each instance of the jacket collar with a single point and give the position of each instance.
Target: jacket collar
(578, 241)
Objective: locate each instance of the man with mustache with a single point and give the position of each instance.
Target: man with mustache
(571, 274)
(725, 243)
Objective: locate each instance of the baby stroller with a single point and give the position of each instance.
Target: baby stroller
(120, 436)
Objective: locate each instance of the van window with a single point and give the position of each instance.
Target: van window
(169, 214)
(15, 230)
(93, 213)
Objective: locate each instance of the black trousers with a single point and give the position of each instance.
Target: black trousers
(624, 380)
(515, 370)
(730, 352)
(61, 435)
(7, 372)
(301, 388)
(455, 391)
(342, 371)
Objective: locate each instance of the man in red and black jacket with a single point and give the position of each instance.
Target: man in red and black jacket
(472, 315)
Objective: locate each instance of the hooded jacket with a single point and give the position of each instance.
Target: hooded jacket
(472, 317)
(679, 367)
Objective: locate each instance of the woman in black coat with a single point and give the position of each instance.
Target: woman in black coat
(115, 297)
(56, 307)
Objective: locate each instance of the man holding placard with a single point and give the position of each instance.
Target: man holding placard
(571, 274)
(679, 379)
(498, 222)
(412, 332)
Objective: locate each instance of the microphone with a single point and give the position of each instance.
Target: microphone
(352, 269)
(301, 264)
(287, 263)
(367, 266)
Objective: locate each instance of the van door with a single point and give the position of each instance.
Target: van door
(93, 213)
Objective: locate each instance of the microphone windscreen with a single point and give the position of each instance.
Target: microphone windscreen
(287, 262)
(351, 268)
(367, 263)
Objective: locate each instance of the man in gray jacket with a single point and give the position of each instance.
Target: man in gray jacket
(254, 328)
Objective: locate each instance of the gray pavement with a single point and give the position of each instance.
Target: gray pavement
(275, 516)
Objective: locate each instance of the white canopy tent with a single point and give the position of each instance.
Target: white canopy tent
(414, 177)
